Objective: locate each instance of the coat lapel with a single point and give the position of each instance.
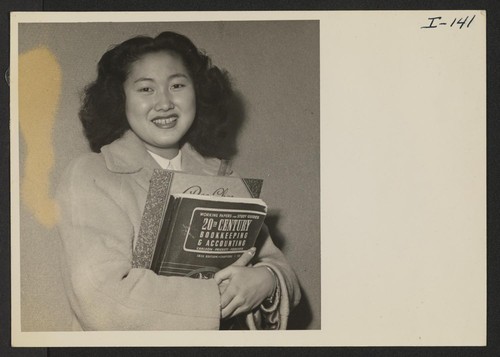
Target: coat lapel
(195, 163)
(128, 155)
(143, 176)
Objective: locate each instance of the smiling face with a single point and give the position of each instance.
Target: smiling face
(160, 101)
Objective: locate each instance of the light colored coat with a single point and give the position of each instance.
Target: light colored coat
(101, 198)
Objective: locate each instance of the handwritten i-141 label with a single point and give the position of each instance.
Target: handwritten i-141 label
(454, 22)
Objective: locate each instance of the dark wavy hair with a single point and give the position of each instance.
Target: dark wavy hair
(103, 107)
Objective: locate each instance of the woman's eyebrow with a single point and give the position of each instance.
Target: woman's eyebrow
(172, 76)
(143, 79)
(178, 75)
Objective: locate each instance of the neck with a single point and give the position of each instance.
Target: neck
(167, 153)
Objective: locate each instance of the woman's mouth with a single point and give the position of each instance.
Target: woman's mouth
(165, 122)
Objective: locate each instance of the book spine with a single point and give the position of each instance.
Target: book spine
(165, 235)
(152, 221)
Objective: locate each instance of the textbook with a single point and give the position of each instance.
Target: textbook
(203, 234)
(165, 183)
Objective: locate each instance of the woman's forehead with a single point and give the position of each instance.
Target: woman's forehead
(163, 62)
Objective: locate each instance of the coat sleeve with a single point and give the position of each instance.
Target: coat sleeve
(105, 292)
(289, 291)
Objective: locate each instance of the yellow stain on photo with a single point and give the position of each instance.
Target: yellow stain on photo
(39, 91)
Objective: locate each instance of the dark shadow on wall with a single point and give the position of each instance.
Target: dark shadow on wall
(272, 223)
(301, 317)
(236, 117)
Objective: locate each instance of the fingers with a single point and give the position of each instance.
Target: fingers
(222, 287)
(226, 299)
(222, 275)
(244, 289)
(245, 257)
(235, 306)
(232, 303)
(242, 261)
(237, 311)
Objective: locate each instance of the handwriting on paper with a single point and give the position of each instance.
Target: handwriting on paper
(455, 22)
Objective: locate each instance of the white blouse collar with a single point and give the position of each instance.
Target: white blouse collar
(173, 164)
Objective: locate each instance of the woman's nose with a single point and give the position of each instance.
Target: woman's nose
(164, 102)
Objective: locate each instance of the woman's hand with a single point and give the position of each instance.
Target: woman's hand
(243, 288)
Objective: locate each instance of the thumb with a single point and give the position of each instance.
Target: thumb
(242, 261)
(245, 257)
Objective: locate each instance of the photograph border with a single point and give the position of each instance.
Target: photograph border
(314, 339)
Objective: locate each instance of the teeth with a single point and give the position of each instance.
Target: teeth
(164, 121)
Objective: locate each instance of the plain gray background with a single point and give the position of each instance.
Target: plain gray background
(275, 69)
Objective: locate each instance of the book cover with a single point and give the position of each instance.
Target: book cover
(166, 182)
(203, 234)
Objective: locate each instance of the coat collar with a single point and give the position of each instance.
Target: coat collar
(128, 155)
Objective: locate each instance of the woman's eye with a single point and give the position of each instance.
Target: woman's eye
(145, 89)
(177, 86)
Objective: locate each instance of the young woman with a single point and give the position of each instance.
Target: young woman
(156, 102)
